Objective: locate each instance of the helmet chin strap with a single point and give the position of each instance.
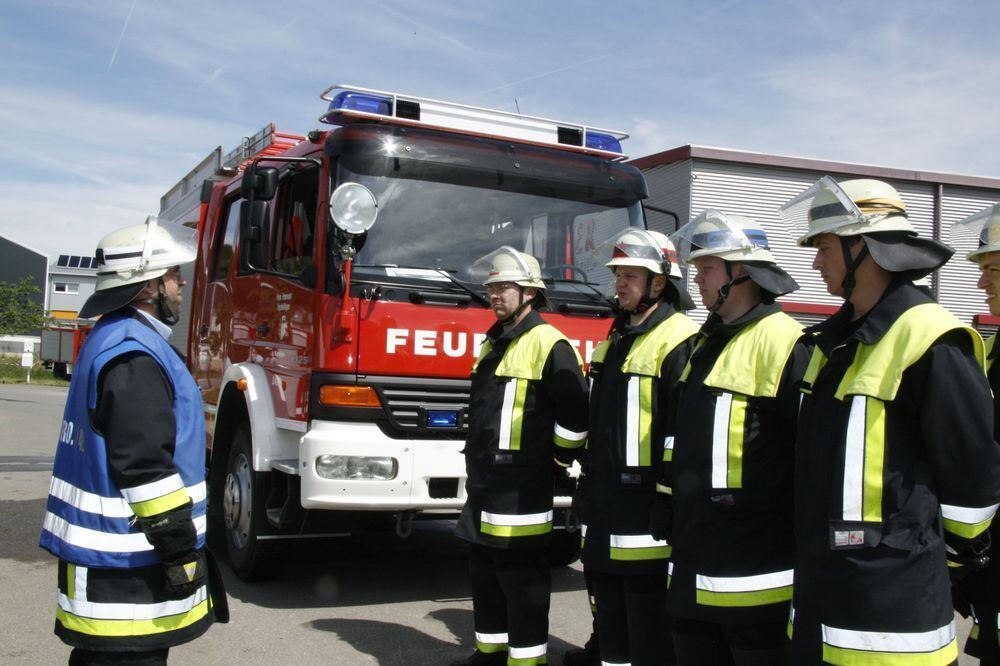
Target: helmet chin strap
(726, 288)
(520, 308)
(163, 311)
(852, 264)
(647, 301)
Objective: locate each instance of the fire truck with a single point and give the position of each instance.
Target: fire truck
(335, 307)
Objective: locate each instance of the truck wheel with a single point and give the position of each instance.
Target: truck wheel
(563, 549)
(60, 371)
(243, 496)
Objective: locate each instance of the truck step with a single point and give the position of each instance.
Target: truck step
(287, 465)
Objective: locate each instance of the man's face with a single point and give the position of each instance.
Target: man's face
(505, 299)
(173, 283)
(630, 285)
(829, 261)
(989, 280)
(711, 277)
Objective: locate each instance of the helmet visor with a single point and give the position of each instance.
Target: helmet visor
(983, 226)
(712, 232)
(636, 244)
(823, 208)
(168, 244)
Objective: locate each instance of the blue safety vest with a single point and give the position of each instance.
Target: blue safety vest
(89, 521)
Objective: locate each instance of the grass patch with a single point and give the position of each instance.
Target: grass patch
(11, 372)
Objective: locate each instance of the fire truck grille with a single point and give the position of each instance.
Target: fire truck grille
(428, 409)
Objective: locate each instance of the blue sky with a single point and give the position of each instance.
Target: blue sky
(107, 103)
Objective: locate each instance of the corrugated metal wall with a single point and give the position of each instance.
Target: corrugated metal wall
(669, 188)
(958, 290)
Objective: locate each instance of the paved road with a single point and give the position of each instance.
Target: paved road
(385, 602)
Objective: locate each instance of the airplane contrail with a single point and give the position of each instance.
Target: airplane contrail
(120, 36)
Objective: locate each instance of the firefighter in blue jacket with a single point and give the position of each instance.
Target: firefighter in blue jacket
(896, 466)
(730, 468)
(126, 507)
(976, 589)
(527, 419)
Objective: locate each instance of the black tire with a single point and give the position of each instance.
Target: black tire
(563, 548)
(60, 371)
(244, 494)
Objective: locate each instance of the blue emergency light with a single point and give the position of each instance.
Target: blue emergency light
(349, 100)
(441, 419)
(601, 141)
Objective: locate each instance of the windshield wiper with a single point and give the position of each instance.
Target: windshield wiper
(444, 272)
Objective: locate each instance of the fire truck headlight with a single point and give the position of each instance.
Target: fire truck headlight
(381, 468)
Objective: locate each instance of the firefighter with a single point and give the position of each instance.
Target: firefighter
(977, 593)
(527, 419)
(632, 374)
(126, 506)
(896, 466)
(730, 469)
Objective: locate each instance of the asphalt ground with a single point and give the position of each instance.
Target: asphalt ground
(380, 600)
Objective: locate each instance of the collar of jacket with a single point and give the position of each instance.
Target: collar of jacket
(900, 296)
(497, 334)
(621, 328)
(714, 327)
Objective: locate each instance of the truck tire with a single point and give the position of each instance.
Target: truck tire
(243, 496)
(60, 371)
(563, 548)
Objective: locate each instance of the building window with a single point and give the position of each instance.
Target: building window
(66, 287)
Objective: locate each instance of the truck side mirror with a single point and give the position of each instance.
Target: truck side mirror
(259, 183)
(254, 234)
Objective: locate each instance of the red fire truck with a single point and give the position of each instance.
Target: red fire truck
(335, 310)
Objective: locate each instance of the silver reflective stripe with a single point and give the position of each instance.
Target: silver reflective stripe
(83, 537)
(720, 441)
(494, 639)
(79, 584)
(565, 433)
(509, 392)
(109, 611)
(854, 460)
(153, 490)
(111, 507)
(668, 443)
(967, 514)
(632, 417)
(635, 541)
(515, 519)
(756, 583)
(616, 663)
(530, 652)
(887, 641)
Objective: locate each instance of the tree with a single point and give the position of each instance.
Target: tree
(19, 314)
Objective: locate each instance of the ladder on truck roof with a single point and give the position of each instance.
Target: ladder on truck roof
(265, 143)
(354, 102)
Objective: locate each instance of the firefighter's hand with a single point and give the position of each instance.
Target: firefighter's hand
(661, 518)
(183, 577)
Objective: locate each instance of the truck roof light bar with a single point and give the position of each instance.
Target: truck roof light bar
(268, 142)
(354, 102)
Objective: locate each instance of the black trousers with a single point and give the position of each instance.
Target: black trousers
(81, 657)
(510, 594)
(632, 622)
(710, 644)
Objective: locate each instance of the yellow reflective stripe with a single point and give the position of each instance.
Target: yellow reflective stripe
(568, 439)
(515, 530)
(515, 525)
(874, 459)
(738, 591)
(668, 448)
(635, 547)
(864, 460)
(71, 580)
(816, 363)
(737, 419)
(161, 504)
(974, 634)
(118, 628)
(791, 621)
(517, 415)
(666, 490)
(967, 522)
(491, 643)
(645, 421)
(847, 657)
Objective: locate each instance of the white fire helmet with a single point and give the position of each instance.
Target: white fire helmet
(724, 235)
(508, 265)
(984, 226)
(646, 249)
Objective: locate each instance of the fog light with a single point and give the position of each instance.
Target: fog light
(381, 468)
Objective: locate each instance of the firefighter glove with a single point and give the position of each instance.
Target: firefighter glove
(171, 533)
(182, 579)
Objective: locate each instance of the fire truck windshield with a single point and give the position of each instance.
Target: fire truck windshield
(432, 225)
